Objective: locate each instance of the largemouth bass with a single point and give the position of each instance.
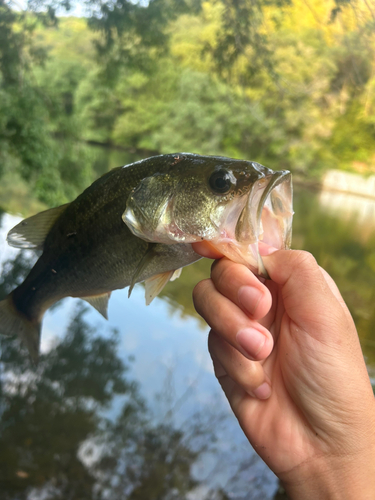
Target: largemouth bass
(137, 223)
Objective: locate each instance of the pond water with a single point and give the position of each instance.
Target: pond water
(130, 408)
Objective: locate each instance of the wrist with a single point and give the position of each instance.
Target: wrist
(331, 478)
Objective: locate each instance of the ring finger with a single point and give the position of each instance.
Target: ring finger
(243, 373)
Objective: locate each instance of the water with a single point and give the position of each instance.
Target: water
(130, 408)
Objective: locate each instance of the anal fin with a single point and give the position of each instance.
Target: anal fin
(100, 302)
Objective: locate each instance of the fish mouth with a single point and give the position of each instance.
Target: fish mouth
(265, 220)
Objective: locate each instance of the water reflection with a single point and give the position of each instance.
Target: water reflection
(58, 440)
(49, 411)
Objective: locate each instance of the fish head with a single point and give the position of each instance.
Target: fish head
(233, 204)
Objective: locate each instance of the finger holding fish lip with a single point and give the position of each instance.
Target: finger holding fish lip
(231, 323)
(206, 249)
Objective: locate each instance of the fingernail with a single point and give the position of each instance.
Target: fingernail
(249, 298)
(251, 341)
(263, 391)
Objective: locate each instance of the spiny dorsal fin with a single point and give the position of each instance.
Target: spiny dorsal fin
(155, 285)
(100, 302)
(31, 232)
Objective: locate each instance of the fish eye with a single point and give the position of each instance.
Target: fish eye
(220, 181)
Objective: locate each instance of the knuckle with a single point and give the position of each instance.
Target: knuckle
(215, 264)
(224, 277)
(201, 296)
(251, 377)
(200, 288)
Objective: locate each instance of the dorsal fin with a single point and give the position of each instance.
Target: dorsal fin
(100, 302)
(31, 232)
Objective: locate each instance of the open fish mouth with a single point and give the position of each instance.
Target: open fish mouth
(264, 218)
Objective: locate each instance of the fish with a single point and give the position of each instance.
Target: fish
(138, 223)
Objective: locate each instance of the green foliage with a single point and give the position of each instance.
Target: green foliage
(98, 107)
(33, 113)
(281, 82)
(352, 136)
(275, 94)
(240, 30)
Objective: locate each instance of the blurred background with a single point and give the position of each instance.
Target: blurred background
(130, 409)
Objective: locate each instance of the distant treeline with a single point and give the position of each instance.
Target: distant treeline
(290, 84)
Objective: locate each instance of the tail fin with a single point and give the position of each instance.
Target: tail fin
(14, 322)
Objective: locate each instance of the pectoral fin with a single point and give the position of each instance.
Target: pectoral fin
(100, 302)
(144, 262)
(156, 283)
(31, 232)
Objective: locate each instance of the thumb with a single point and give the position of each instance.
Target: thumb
(308, 298)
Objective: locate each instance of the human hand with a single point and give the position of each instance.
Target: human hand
(299, 388)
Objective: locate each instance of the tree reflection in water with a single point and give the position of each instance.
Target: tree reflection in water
(56, 441)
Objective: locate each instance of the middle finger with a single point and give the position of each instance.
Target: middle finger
(231, 323)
